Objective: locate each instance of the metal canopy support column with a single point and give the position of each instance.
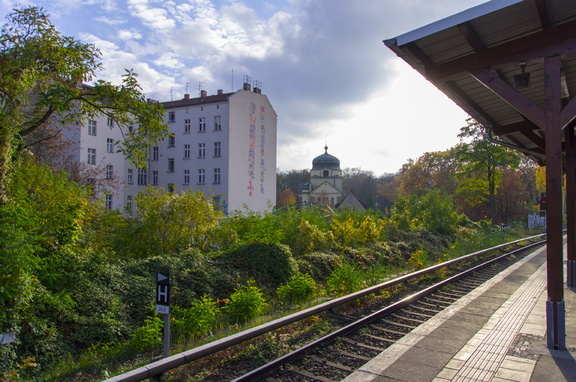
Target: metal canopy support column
(570, 144)
(555, 309)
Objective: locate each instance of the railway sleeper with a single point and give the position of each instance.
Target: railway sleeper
(363, 345)
(448, 293)
(431, 309)
(433, 306)
(420, 311)
(438, 301)
(352, 355)
(407, 326)
(417, 316)
(335, 365)
(386, 330)
(308, 374)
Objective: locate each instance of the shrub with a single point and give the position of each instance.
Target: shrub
(319, 265)
(418, 260)
(346, 279)
(196, 321)
(270, 265)
(362, 257)
(148, 336)
(298, 289)
(246, 303)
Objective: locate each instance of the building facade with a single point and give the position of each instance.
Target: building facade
(223, 145)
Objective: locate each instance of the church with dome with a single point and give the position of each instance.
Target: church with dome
(325, 184)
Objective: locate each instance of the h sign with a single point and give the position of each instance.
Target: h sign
(163, 288)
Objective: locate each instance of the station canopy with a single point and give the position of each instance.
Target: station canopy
(490, 61)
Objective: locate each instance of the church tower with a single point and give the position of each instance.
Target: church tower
(325, 185)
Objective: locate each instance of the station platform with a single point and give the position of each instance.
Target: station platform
(496, 333)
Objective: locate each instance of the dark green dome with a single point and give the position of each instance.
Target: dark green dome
(326, 161)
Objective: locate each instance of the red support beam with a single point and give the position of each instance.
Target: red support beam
(570, 148)
(510, 95)
(555, 310)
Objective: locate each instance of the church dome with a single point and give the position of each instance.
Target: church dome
(326, 161)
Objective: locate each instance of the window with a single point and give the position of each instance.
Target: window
(109, 171)
(109, 145)
(108, 200)
(155, 153)
(154, 178)
(142, 175)
(217, 149)
(216, 176)
(130, 176)
(91, 127)
(130, 129)
(171, 141)
(187, 126)
(129, 202)
(91, 156)
(171, 187)
(201, 176)
(217, 123)
(326, 174)
(201, 124)
(110, 122)
(171, 116)
(186, 176)
(201, 150)
(186, 151)
(170, 164)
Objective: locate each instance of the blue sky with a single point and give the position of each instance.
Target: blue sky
(321, 63)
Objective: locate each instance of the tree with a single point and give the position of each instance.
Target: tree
(433, 170)
(481, 166)
(512, 197)
(172, 222)
(387, 190)
(291, 180)
(286, 197)
(41, 82)
(362, 183)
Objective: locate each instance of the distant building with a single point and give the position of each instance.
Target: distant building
(351, 201)
(223, 145)
(325, 184)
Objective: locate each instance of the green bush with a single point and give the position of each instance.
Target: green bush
(270, 265)
(344, 280)
(319, 265)
(298, 289)
(246, 303)
(148, 336)
(196, 321)
(361, 257)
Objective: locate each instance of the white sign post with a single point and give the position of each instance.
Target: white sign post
(162, 306)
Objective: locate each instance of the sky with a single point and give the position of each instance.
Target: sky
(321, 63)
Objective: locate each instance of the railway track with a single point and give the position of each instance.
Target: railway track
(337, 355)
(364, 331)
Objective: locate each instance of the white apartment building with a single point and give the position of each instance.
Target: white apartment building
(223, 145)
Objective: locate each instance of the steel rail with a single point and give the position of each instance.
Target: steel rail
(161, 366)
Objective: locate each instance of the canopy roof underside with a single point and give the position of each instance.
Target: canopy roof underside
(473, 56)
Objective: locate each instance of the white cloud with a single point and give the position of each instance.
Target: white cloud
(156, 18)
(126, 34)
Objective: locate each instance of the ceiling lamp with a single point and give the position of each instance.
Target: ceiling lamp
(522, 80)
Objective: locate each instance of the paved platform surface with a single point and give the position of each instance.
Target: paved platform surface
(497, 333)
